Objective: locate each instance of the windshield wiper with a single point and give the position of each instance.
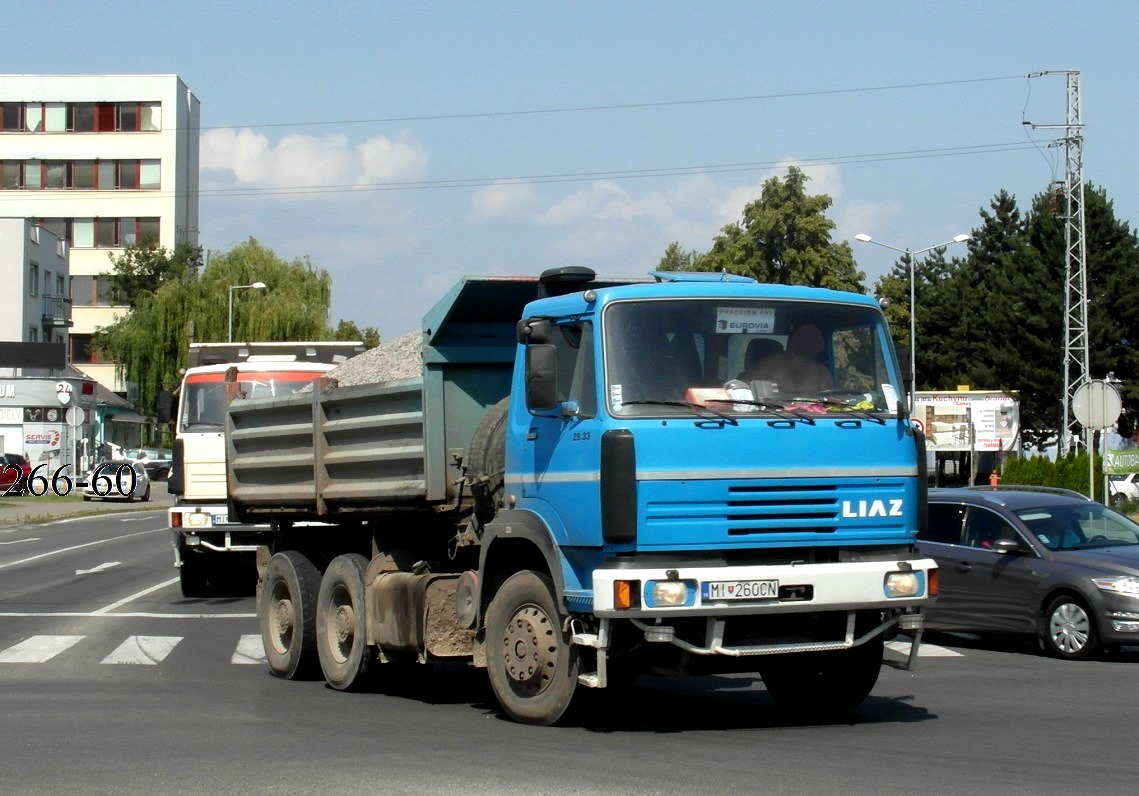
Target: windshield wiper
(780, 410)
(686, 405)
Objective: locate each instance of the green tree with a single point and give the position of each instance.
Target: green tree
(676, 259)
(150, 345)
(348, 330)
(142, 268)
(785, 237)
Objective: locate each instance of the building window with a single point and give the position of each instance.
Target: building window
(55, 117)
(33, 280)
(12, 114)
(33, 334)
(81, 175)
(34, 117)
(81, 349)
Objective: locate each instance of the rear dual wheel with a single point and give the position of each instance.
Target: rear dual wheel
(341, 630)
(286, 607)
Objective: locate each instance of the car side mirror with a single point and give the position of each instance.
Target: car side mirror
(1009, 547)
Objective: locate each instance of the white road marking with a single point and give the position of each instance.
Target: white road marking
(50, 553)
(104, 566)
(136, 595)
(38, 649)
(924, 651)
(20, 541)
(145, 650)
(121, 615)
(249, 650)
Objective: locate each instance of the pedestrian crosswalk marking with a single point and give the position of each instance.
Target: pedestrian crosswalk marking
(249, 650)
(924, 651)
(145, 650)
(38, 649)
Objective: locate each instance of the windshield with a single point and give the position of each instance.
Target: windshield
(1080, 527)
(203, 395)
(746, 357)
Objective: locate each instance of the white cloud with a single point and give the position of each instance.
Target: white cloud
(502, 199)
(305, 161)
(605, 200)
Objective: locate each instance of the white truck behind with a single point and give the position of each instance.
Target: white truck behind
(211, 552)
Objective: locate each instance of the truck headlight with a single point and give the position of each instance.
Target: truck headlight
(670, 593)
(904, 584)
(1120, 584)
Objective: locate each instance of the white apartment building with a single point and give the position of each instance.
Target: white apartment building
(102, 161)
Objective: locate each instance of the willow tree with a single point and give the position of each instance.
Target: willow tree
(150, 345)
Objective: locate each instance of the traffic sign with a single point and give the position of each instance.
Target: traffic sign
(63, 392)
(1096, 404)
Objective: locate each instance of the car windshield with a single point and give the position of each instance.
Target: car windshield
(738, 358)
(1080, 527)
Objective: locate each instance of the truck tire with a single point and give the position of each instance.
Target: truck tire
(286, 609)
(531, 661)
(192, 575)
(824, 683)
(486, 461)
(341, 629)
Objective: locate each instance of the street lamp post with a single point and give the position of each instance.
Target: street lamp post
(910, 253)
(255, 286)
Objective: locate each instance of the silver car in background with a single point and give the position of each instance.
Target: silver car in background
(117, 480)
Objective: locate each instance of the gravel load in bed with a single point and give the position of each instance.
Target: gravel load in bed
(402, 358)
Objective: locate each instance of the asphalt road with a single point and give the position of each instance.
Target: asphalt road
(112, 682)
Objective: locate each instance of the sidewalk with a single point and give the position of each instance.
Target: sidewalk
(30, 510)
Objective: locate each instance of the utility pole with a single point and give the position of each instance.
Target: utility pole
(1075, 362)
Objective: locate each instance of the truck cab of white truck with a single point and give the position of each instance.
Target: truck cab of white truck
(211, 552)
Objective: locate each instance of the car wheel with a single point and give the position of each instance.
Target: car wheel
(146, 494)
(1069, 629)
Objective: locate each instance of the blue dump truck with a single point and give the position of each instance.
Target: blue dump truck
(595, 479)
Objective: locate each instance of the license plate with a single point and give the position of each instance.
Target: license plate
(739, 590)
(221, 519)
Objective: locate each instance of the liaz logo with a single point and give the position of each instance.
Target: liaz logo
(872, 508)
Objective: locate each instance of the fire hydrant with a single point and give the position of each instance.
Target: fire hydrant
(994, 479)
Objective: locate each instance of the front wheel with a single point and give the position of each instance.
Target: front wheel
(1069, 629)
(824, 682)
(531, 662)
(286, 608)
(341, 631)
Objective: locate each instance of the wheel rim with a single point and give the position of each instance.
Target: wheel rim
(530, 650)
(282, 620)
(341, 619)
(1070, 628)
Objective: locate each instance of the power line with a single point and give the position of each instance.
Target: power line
(616, 107)
(586, 176)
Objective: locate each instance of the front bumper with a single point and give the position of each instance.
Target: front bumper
(803, 588)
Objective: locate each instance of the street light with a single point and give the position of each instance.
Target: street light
(255, 286)
(864, 238)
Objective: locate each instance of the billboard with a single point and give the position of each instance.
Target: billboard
(968, 420)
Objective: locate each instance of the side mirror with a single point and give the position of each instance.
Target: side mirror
(164, 406)
(533, 330)
(541, 377)
(1009, 547)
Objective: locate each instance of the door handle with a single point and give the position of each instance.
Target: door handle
(964, 566)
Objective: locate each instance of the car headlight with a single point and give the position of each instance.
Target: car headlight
(670, 593)
(904, 584)
(1120, 584)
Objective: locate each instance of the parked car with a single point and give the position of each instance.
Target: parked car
(117, 480)
(1123, 487)
(157, 461)
(1047, 563)
(14, 472)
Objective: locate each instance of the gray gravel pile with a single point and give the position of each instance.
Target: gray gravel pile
(402, 358)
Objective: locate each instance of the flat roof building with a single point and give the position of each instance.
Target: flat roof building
(102, 161)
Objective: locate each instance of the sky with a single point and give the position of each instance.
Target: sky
(401, 146)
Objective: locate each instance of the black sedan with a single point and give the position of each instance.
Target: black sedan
(1048, 563)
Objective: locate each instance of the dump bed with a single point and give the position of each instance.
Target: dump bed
(371, 449)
